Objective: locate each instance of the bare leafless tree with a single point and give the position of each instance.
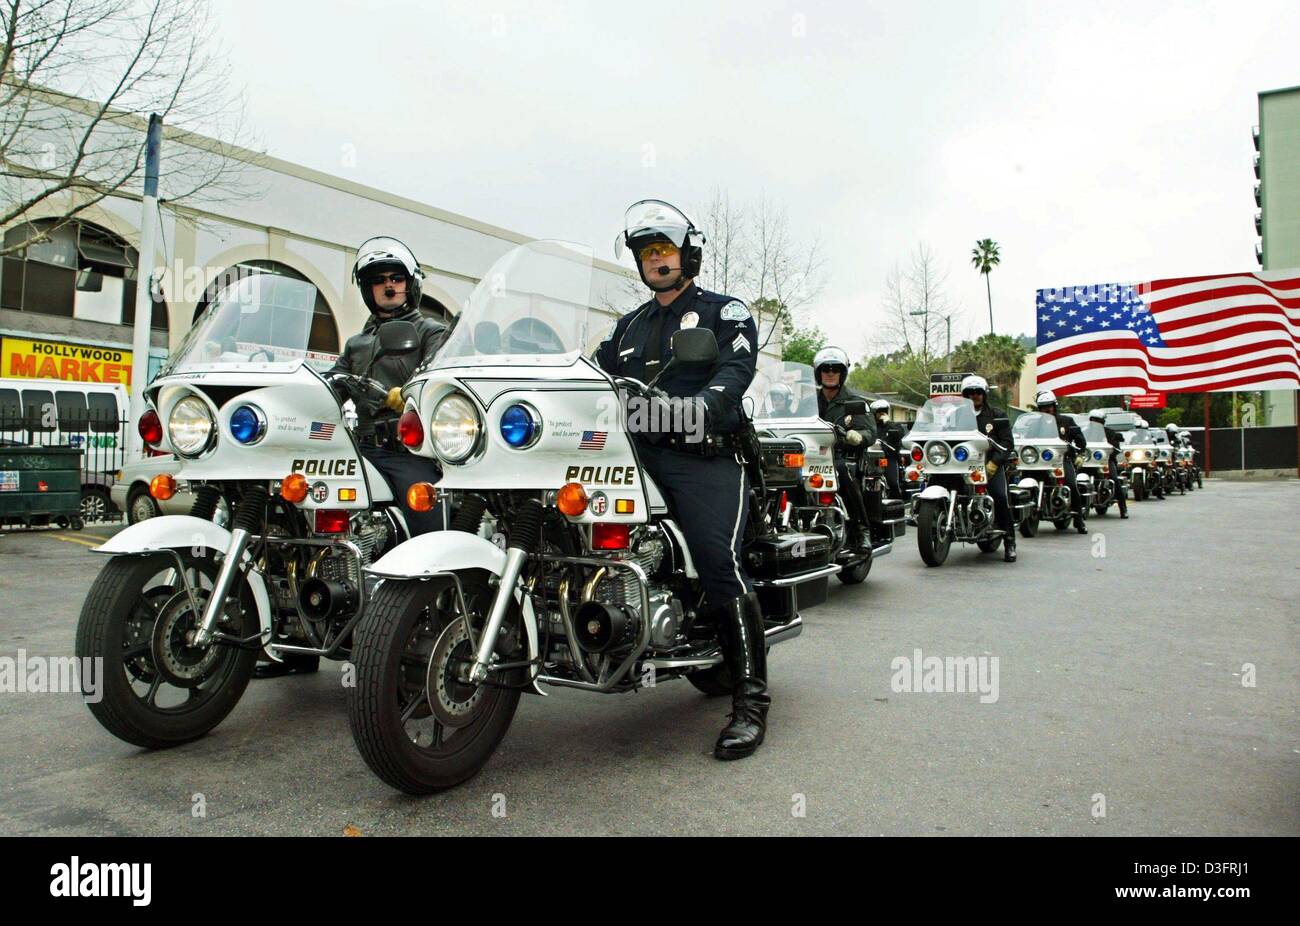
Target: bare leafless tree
(726, 252)
(78, 80)
(916, 305)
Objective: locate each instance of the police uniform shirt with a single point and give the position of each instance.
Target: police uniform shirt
(640, 346)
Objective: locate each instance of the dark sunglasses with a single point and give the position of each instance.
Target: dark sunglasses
(387, 278)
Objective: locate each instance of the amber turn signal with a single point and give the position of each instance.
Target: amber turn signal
(421, 496)
(162, 487)
(293, 488)
(794, 461)
(571, 499)
(816, 480)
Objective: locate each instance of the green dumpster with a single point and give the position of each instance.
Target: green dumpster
(39, 486)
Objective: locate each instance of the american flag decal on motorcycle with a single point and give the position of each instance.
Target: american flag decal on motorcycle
(321, 431)
(593, 440)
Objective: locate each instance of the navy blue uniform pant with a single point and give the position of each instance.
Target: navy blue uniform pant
(709, 500)
(997, 489)
(402, 470)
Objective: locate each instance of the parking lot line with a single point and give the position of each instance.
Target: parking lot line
(70, 539)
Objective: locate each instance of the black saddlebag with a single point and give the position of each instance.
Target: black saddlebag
(780, 556)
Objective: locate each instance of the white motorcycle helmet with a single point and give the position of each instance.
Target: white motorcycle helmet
(1044, 398)
(974, 383)
(879, 407)
(831, 357)
(384, 254)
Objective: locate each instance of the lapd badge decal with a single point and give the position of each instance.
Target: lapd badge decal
(734, 312)
(690, 320)
(988, 428)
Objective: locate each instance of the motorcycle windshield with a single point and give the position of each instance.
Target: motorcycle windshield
(787, 391)
(1034, 426)
(945, 414)
(261, 321)
(1137, 436)
(1094, 432)
(533, 308)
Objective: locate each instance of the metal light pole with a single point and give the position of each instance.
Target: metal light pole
(144, 286)
(948, 322)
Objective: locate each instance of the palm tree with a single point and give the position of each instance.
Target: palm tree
(984, 257)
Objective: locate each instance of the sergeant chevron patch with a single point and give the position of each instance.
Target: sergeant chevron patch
(741, 343)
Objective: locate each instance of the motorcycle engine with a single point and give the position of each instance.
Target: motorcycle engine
(620, 589)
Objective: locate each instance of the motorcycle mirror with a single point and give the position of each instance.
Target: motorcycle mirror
(487, 338)
(855, 407)
(398, 337)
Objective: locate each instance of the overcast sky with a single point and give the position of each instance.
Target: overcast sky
(1094, 142)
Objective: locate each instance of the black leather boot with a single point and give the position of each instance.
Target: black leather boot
(1009, 548)
(745, 648)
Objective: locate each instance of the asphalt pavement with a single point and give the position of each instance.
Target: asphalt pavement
(1148, 678)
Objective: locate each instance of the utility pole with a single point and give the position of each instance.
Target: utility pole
(144, 285)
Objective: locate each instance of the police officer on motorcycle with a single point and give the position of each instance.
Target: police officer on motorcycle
(1114, 438)
(389, 278)
(890, 433)
(993, 423)
(1072, 434)
(698, 469)
(830, 370)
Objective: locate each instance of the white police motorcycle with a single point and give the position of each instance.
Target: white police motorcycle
(563, 565)
(1094, 462)
(183, 607)
(1138, 462)
(948, 447)
(783, 404)
(1040, 452)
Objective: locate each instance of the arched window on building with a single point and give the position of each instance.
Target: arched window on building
(324, 337)
(73, 270)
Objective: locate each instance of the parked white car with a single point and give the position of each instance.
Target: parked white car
(130, 493)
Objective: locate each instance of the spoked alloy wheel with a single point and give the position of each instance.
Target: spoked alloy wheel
(417, 720)
(155, 689)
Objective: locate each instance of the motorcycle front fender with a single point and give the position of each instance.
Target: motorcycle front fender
(427, 555)
(183, 532)
(934, 494)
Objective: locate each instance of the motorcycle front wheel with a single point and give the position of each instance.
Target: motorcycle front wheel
(154, 689)
(1029, 526)
(418, 724)
(932, 537)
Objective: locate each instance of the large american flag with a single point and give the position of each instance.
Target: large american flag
(1227, 332)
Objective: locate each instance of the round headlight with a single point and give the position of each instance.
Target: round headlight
(961, 453)
(455, 428)
(1029, 456)
(247, 424)
(937, 453)
(1047, 454)
(189, 426)
(520, 426)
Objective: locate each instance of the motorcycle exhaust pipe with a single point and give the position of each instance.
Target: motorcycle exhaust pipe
(600, 627)
(323, 599)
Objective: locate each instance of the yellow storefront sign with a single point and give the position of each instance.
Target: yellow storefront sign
(24, 358)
